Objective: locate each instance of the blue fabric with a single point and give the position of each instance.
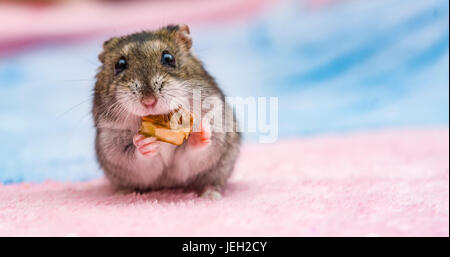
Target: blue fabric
(353, 66)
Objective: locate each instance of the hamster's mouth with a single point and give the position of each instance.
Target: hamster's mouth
(141, 109)
(164, 116)
(158, 109)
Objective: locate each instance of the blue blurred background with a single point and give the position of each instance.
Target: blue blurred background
(346, 66)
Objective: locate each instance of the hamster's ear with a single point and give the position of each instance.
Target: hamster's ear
(183, 35)
(101, 56)
(106, 46)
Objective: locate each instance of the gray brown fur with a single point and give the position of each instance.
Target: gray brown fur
(115, 126)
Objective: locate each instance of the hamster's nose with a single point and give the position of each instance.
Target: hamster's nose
(148, 101)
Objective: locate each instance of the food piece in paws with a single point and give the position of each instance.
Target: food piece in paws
(171, 128)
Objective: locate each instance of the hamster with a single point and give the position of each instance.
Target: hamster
(145, 74)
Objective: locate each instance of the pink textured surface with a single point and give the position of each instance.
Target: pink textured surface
(388, 183)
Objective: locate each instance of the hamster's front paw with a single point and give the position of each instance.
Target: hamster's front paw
(146, 146)
(202, 138)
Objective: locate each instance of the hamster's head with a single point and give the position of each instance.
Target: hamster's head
(148, 73)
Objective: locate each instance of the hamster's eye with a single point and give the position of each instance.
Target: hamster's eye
(121, 65)
(167, 59)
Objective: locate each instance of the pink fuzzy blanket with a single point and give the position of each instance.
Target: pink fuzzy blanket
(386, 183)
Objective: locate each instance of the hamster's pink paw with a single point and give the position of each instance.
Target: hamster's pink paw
(211, 193)
(202, 138)
(146, 146)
